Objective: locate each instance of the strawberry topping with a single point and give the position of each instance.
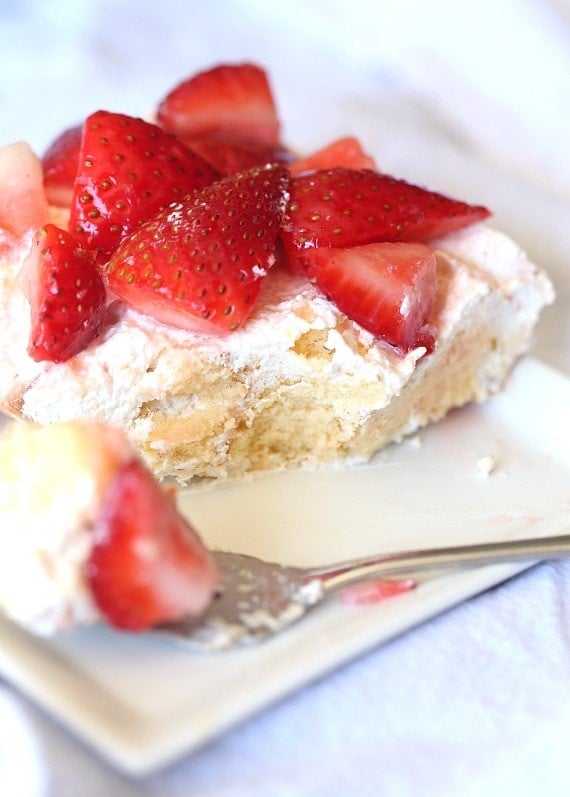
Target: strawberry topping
(346, 152)
(230, 153)
(60, 163)
(185, 218)
(128, 170)
(345, 207)
(200, 263)
(67, 295)
(231, 98)
(23, 203)
(147, 565)
(388, 288)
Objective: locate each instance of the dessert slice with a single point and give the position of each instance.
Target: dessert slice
(298, 313)
(88, 534)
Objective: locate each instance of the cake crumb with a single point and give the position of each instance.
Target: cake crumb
(487, 465)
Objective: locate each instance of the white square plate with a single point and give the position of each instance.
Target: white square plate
(141, 701)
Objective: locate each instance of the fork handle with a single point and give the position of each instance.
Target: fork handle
(456, 557)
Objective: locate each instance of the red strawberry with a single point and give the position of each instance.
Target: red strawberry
(129, 170)
(23, 203)
(344, 207)
(232, 98)
(60, 166)
(388, 288)
(147, 565)
(201, 263)
(346, 152)
(229, 153)
(66, 293)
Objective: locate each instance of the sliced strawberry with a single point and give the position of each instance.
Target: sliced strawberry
(376, 590)
(344, 207)
(129, 170)
(66, 293)
(232, 98)
(201, 262)
(147, 565)
(60, 163)
(23, 203)
(388, 288)
(346, 152)
(229, 153)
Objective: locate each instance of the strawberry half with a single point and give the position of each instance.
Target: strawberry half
(344, 207)
(346, 152)
(229, 153)
(388, 288)
(231, 98)
(128, 170)
(23, 203)
(201, 263)
(60, 163)
(67, 295)
(147, 565)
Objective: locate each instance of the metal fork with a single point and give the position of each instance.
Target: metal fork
(260, 599)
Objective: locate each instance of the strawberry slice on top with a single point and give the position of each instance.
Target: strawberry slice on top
(230, 153)
(348, 207)
(387, 288)
(147, 565)
(200, 264)
(232, 98)
(128, 170)
(60, 162)
(23, 203)
(66, 293)
(347, 152)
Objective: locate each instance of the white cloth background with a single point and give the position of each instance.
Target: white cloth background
(469, 98)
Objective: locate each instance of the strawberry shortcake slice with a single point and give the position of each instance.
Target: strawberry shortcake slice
(236, 308)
